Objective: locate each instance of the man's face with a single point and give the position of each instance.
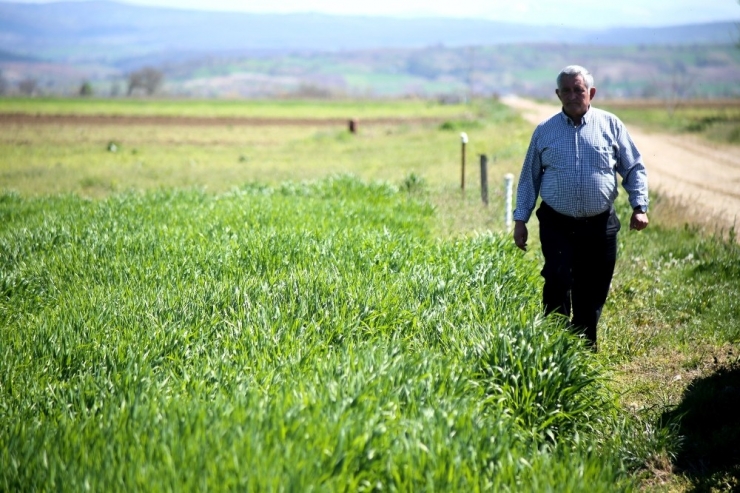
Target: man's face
(574, 95)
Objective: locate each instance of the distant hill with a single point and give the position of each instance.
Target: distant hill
(56, 47)
(6, 56)
(111, 32)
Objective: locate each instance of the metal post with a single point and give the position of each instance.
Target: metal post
(484, 178)
(509, 185)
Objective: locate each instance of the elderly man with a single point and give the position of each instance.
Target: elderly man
(572, 164)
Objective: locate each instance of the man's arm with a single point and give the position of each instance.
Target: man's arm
(527, 191)
(530, 180)
(634, 177)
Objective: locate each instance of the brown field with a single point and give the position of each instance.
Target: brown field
(42, 119)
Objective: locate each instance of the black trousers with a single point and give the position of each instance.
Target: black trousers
(580, 254)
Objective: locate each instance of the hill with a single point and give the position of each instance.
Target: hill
(110, 31)
(57, 46)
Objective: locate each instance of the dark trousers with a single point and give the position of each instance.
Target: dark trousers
(580, 254)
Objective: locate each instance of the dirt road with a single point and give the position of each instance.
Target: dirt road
(702, 176)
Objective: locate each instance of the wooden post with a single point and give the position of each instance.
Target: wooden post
(352, 125)
(464, 141)
(484, 178)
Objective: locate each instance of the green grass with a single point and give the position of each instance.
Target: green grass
(671, 332)
(233, 108)
(40, 159)
(299, 337)
(716, 123)
(690, 296)
(269, 308)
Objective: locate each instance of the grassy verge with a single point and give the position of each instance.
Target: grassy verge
(672, 336)
(712, 122)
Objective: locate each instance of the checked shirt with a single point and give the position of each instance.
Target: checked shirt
(574, 169)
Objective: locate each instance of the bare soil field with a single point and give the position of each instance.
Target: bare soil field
(41, 119)
(703, 177)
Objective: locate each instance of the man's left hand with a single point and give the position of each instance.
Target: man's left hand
(639, 220)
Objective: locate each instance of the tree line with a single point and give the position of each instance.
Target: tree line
(147, 81)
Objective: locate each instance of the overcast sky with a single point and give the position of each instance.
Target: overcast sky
(594, 13)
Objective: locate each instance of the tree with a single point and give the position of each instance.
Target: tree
(115, 89)
(674, 85)
(28, 86)
(148, 78)
(86, 89)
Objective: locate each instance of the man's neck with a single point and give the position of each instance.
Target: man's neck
(577, 120)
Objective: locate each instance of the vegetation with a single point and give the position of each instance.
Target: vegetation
(39, 159)
(665, 72)
(147, 79)
(304, 336)
(275, 323)
(718, 121)
(294, 109)
(672, 337)
(86, 89)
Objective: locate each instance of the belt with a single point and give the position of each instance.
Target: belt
(583, 220)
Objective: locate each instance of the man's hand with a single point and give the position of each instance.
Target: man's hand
(638, 221)
(521, 234)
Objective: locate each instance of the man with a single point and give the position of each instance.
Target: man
(572, 164)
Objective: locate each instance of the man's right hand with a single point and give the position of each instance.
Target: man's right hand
(520, 234)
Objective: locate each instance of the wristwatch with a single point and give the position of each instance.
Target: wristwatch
(640, 209)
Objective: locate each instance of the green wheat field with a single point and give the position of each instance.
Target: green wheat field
(301, 309)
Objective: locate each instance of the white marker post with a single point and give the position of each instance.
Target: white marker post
(464, 140)
(509, 185)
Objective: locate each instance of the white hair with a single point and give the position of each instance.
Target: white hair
(572, 70)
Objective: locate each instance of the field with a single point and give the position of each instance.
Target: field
(294, 307)
(293, 109)
(717, 120)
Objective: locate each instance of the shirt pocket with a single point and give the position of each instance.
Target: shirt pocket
(603, 158)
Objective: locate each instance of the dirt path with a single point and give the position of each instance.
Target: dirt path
(703, 177)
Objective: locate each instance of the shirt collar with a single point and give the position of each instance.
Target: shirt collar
(584, 119)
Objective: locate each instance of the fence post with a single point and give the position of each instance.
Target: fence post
(464, 141)
(484, 178)
(509, 185)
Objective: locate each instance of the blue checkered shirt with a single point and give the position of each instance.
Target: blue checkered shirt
(574, 169)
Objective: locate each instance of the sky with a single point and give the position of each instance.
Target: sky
(569, 13)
